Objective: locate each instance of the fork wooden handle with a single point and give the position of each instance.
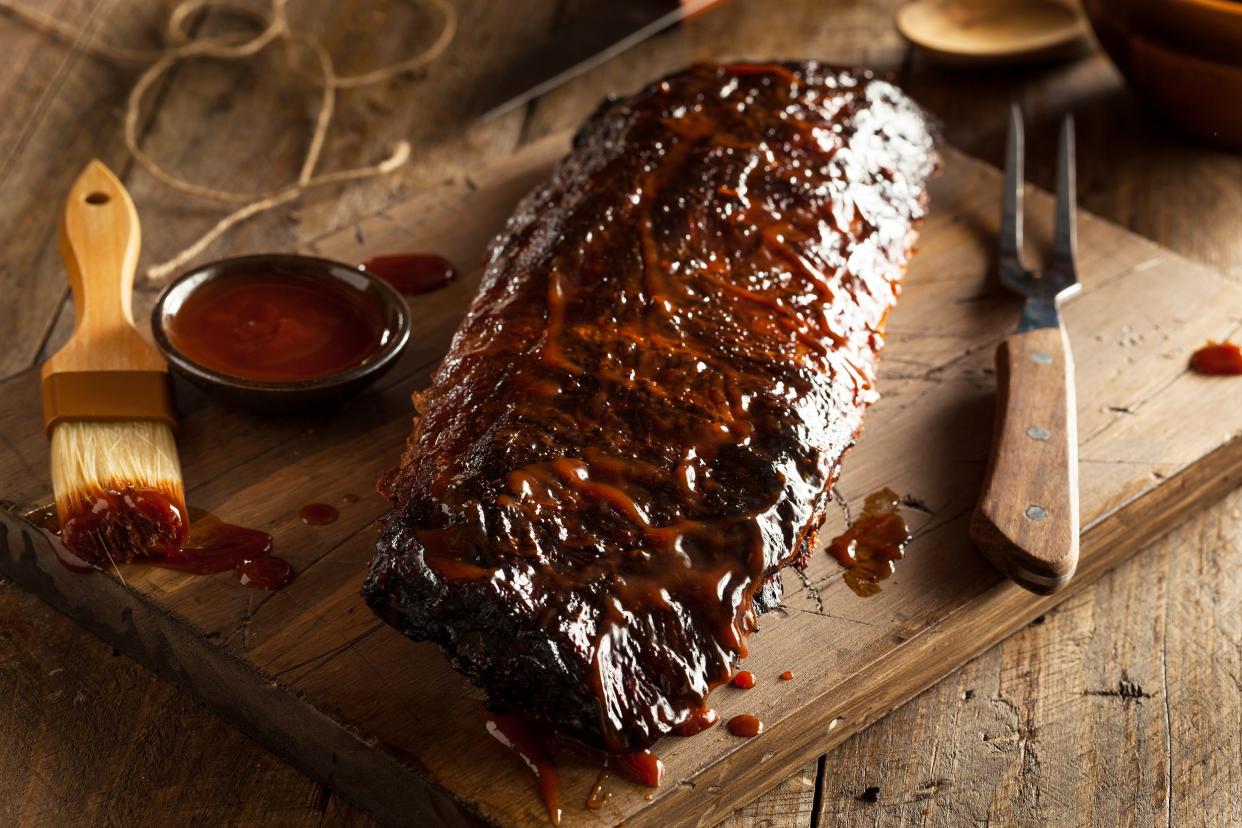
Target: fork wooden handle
(1027, 519)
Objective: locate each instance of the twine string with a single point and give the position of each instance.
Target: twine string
(273, 27)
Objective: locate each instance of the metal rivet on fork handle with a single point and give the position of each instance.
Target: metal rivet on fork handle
(1041, 358)
(1034, 512)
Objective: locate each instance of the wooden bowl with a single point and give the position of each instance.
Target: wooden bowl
(1183, 56)
(1203, 29)
(275, 397)
(973, 32)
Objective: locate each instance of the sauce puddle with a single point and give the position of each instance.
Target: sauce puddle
(318, 514)
(212, 546)
(745, 726)
(1217, 359)
(412, 273)
(872, 544)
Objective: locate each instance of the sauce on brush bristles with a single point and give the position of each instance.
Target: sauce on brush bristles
(118, 490)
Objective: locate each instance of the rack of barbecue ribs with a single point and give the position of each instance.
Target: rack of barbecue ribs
(641, 417)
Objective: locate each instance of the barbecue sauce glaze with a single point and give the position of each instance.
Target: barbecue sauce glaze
(698, 721)
(644, 410)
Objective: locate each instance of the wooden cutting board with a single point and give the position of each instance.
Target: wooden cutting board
(313, 675)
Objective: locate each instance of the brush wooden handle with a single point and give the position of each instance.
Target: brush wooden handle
(1027, 519)
(99, 243)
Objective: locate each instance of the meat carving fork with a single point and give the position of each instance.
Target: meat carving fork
(1026, 521)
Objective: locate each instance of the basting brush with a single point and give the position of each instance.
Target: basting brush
(107, 399)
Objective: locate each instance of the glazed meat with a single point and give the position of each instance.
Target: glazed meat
(641, 417)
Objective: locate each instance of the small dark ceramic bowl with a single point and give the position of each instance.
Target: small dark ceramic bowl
(293, 395)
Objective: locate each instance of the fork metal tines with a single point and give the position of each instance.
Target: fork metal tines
(1060, 279)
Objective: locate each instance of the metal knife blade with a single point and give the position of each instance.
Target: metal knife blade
(600, 34)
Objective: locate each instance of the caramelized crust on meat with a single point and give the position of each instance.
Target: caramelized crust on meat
(641, 416)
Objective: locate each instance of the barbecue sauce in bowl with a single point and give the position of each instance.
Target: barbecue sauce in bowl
(280, 332)
(276, 327)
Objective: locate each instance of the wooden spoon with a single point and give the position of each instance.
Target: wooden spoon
(973, 32)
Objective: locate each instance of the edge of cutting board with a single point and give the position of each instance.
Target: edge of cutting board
(152, 635)
(397, 789)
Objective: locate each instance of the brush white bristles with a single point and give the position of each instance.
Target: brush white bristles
(92, 459)
(88, 456)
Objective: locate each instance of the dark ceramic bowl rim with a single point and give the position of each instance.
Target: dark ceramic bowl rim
(374, 364)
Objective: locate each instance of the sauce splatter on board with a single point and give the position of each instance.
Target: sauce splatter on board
(872, 544)
(1217, 359)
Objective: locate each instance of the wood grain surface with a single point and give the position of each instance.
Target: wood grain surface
(313, 674)
(1118, 707)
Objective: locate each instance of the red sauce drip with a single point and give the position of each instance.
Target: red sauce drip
(276, 326)
(787, 675)
(319, 514)
(69, 560)
(699, 720)
(534, 748)
(412, 273)
(643, 767)
(517, 735)
(117, 525)
(744, 679)
(598, 797)
(873, 542)
(46, 519)
(215, 546)
(265, 573)
(745, 726)
(1222, 359)
(211, 546)
(349, 498)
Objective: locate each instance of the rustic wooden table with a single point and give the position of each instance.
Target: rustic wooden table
(1122, 706)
